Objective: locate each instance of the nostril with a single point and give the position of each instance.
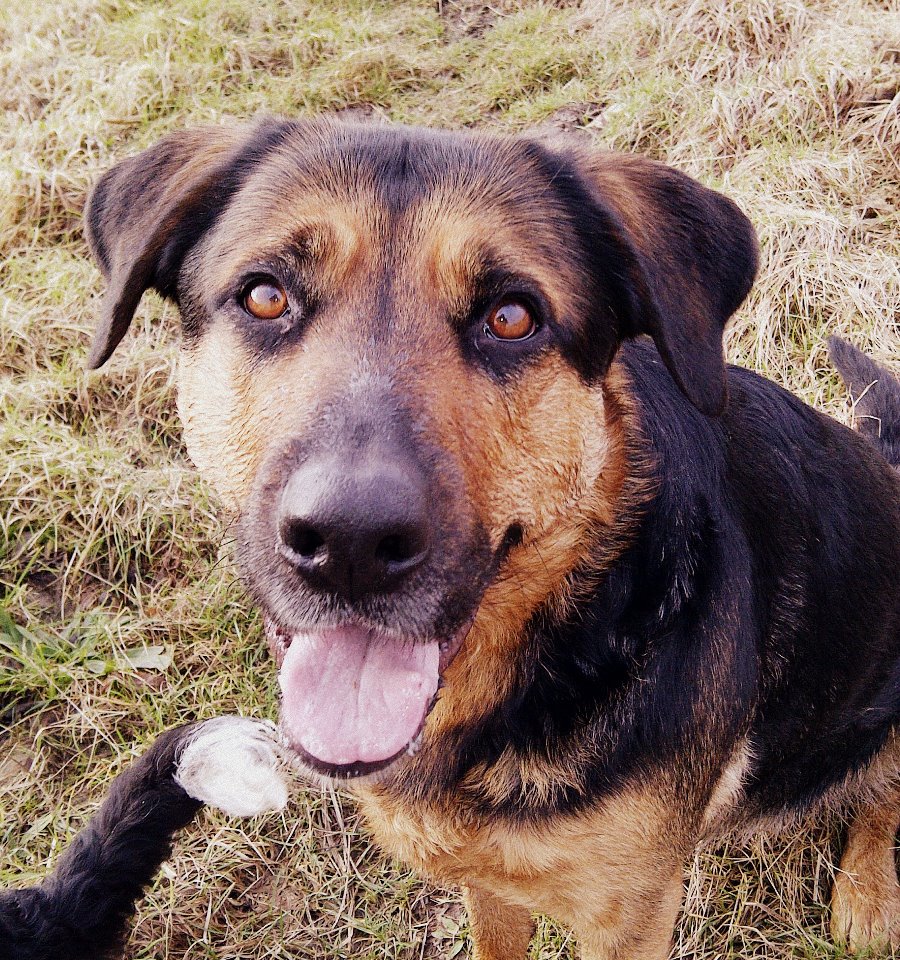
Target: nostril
(397, 548)
(393, 549)
(302, 539)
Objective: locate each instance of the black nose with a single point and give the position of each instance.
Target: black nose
(355, 527)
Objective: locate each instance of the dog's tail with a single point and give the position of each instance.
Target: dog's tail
(81, 911)
(876, 396)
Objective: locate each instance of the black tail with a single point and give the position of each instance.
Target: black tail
(876, 395)
(81, 911)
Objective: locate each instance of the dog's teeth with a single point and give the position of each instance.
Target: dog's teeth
(412, 748)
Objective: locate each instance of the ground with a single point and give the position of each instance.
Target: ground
(120, 612)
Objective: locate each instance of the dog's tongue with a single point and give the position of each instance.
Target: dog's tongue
(351, 695)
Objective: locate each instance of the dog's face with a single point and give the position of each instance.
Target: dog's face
(395, 367)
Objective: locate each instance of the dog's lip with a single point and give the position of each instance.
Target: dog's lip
(278, 639)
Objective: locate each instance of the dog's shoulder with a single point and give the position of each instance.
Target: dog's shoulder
(767, 444)
(778, 529)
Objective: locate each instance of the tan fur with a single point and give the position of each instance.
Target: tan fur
(213, 389)
(726, 794)
(530, 467)
(232, 413)
(333, 230)
(612, 873)
(454, 238)
(865, 903)
(500, 930)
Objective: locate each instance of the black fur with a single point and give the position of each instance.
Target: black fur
(81, 911)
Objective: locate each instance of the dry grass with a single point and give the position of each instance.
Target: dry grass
(110, 545)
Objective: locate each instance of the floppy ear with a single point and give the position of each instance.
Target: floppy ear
(145, 214)
(691, 256)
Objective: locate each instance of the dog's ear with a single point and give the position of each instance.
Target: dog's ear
(145, 214)
(690, 255)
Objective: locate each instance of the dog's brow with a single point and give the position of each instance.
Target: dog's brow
(291, 259)
(472, 272)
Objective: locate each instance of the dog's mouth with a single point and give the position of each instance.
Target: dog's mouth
(355, 699)
(355, 696)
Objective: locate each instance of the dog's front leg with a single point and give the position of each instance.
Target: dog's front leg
(81, 911)
(500, 930)
(629, 917)
(865, 902)
(629, 924)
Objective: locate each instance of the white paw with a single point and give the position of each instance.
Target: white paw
(232, 763)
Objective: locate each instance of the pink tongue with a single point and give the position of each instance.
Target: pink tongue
(350, 695)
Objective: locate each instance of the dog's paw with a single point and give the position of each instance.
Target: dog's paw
(233, 763)
(863, 918)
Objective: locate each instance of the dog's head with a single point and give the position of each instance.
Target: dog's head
(396, 364)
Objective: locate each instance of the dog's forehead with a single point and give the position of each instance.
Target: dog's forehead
(400, 166)
(435, 204)
(392, 172)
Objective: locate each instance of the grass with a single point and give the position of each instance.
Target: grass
(119, 609)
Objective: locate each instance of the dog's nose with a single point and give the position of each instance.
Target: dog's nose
(355, 528)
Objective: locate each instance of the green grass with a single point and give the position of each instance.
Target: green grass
(120, 613)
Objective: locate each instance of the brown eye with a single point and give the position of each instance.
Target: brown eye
(265, 301)
(510, 321)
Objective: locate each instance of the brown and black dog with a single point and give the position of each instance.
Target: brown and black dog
(557, 602)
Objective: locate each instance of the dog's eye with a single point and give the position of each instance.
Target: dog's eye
(265, 300)
(511, 320)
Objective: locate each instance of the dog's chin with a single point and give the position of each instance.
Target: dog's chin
(355, 698)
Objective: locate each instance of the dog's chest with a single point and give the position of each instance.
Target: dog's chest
(452, 845)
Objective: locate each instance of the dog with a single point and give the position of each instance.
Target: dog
(81, 911)
(554, 591)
